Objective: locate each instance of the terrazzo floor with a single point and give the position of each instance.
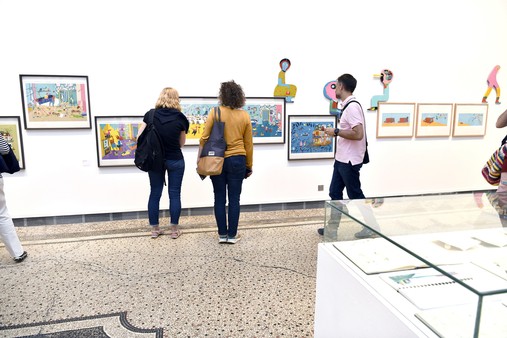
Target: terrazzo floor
(112, 272)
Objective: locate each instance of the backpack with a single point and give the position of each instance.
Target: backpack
(493, 167)
(9, 163)
(150, 149)
(366, 158)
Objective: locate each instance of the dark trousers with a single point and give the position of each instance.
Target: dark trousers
(229, 184)
(346, 175)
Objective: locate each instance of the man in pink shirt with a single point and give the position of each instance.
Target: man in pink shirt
(350, 146)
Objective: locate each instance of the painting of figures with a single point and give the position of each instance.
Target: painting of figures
(266, 114)
(470, 119)
(10, 130)
(307, 139)
(433, 119)
(55, 102)
(395, 119)
(117, 139)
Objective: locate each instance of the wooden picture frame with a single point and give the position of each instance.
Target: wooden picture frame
(470, 119)
(395, 119)
(434, 119)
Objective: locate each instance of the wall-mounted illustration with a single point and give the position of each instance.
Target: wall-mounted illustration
(267, 115)
(492, 83)
(395, 119)
(307, 139)
(470, 119)
(386, 76)
(288, 91)
(10, 130)
(434, 119)
(116, 138)
(330, 94)
(55, 101)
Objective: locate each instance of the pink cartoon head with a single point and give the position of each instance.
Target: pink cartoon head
(329, 91)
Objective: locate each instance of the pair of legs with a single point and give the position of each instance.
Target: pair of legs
(379, 98)
(7, 231)
(229, 184)
(345, 176)
(175, 170)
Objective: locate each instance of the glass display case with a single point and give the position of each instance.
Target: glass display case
(444, 254)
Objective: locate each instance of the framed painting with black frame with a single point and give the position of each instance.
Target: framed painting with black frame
(10, 129)
(307, 139)
(55, 101)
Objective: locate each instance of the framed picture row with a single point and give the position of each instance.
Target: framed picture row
(396, 120)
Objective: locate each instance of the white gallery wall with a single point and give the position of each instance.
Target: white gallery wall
(439, 52)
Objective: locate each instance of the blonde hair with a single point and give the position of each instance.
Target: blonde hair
(169, 98)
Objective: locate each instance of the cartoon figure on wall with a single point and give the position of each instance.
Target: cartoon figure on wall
(492, 83)
(282, 89)
(330, 94)
(386, 76)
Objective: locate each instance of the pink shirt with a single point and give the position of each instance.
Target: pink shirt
(351, 150)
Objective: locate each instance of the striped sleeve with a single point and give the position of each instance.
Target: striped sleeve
(4, 146)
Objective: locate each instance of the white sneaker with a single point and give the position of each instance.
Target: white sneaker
(222, 239)
(234, 240)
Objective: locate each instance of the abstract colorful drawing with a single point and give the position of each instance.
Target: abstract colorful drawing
(395, 119)
(386, 76)
(470, 119)
(307, 137)
(433, 119)
(288, 91)
(117, 139)
(51, 102)
(266, 114)
(330, 94)
(10, 130)
(492, 83)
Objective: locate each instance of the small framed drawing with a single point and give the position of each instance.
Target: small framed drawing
(307, 140)
(116, 139)
(433, 120)
(267, 115)
(470, 119)
(395, 119)
(55, 101)
(10, 128)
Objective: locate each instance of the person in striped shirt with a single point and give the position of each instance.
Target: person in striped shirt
(7, 231)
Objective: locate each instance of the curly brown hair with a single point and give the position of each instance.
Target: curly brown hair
(231, 95)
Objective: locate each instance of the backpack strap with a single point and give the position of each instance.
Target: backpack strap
(151, 116)
(364, 119)
(218, 117)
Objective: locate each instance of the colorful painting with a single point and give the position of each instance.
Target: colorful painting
(10, 129)
(470, 119)
(117, 139)
(385, 76)
(433, 119)
(266, 114)
(307, 139)
(395, 119)
(330, 94)
(492, 83)
(55, 102)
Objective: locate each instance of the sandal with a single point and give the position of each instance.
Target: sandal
(175, 234)
(156, 233)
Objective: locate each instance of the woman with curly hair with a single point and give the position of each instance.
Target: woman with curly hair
(238, 159)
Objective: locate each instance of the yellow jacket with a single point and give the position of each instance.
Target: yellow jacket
(237, 132)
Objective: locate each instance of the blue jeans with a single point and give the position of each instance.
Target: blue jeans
(175, 170)
(229, 183)
(346, 175)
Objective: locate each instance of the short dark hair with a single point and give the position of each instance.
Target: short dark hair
(231, 95)
(348, 81)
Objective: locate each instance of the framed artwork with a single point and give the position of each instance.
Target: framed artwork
(307, 140)
(10, 129)
(470, 119)
(55, 101)
(433, 120)
(267, 115)
(116, 139)
(395, 119)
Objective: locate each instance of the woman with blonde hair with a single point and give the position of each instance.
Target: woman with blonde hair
(172, 127)
(238, 159)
